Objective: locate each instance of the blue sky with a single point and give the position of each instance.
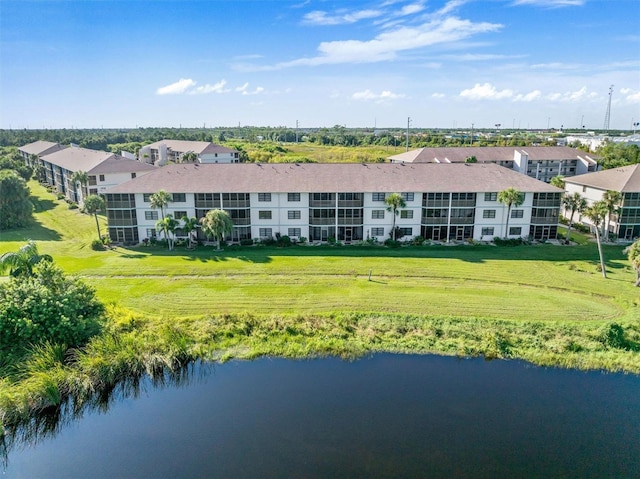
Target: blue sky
(519, 63)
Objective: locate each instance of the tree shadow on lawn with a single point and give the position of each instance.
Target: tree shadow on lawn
(197, 254)
(34, 231)
(40, 205)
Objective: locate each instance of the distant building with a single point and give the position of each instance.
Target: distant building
(625, 180)
(452, 202)
(539, 162)
(103, 169)
(172, 151)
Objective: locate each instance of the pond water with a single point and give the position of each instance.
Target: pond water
(383, 416)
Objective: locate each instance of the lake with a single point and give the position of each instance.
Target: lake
(382, 416)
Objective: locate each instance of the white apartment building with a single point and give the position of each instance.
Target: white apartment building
(163, 152)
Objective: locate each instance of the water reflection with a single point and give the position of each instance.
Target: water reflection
(49, 422)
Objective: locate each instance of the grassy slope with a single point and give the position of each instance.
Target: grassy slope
(543, 282)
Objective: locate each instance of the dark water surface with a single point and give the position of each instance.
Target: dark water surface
(384, 416)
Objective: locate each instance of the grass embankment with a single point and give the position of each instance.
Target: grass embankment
(546, 304)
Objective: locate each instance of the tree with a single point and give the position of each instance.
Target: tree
(189, 157)
(189, 226)
(633, 253)
(46, 306)
(92, 205)
(82, 178)
(21, 262)
(611, 200)
(596, 213)
(168, 226)
(160, 200)
(573, 203)
(510, 197)
(15, 205)
(558, 182)
(16, 163)
(394, 203)
(216, 223)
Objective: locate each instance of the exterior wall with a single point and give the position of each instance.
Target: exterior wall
(219, 158)
(352, 216)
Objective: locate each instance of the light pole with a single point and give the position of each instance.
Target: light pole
(635, 125)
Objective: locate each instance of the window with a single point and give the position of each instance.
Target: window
(377, 214)
(377, 231)
(93, 191)
(407, 214)
(92, 181)
(101, 177)
(405, 231)
(515, 230)
(133, 175)
(265, 233)
(264, 215)
(293, 197)
(407, 196)
(150, 215)
(151, 233)
(266, 197)
(146, 197)
(491, 196)
(179, 214)
(293, 214)
(487, 231)
(179, 197)
(378, 197)
(517, 213)
(297, 232)
(489, 214)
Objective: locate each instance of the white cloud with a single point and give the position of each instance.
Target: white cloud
(176, 88)
(319, 17)
(243, 87)
(411, 9)
(254, 92)
(486, 91)
(368, 95)
(437, 95)
(527, 97)
(551, 3)
(475, 57)
(580, 95)
(631, 95)
(215, 88)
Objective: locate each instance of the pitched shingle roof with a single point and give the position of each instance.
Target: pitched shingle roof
(41, 148)
(119, 164)
(325, 177)
(84, 159)
(199, 147)
(625, 179)
(491, 154)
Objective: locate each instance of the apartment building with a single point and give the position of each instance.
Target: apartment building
(343, 201)
(38, 149)
(625, 180)
(163, 152)
(539, 162)
(103, 169)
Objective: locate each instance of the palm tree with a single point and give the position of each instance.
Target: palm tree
(394, 203)
(160, 200)
(92, 205)
(596, 213)
(633, 253)
(189, 226)
(216, 223)
(168, 226)
(558, 182)
(21, 262)
(573, 203)
(189, 157)
(510, 197)
(82, 178)
(611, 199)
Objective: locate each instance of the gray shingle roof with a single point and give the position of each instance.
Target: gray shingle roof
(119, 164)
(199, 147)
(41, 148)
(325, 177)
(625, 179)
(490, 154)
(84, 159)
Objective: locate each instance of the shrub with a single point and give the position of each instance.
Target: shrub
(302, 240)
(613, 337)
(418, 240)
(246, 242)
(97, 245)
(46, 306)
(391, 243)
(284, 241)
(508, 242)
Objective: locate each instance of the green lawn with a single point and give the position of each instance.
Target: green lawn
(546, 282)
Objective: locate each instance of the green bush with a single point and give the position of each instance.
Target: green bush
(284, 241)
(508, 242)
(246, 242)
(391, 243)
(46, 306)
(97, 245)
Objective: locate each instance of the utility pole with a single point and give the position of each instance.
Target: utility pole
(296, 131)
(408, 125)
(471, 134)
(607, 116)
